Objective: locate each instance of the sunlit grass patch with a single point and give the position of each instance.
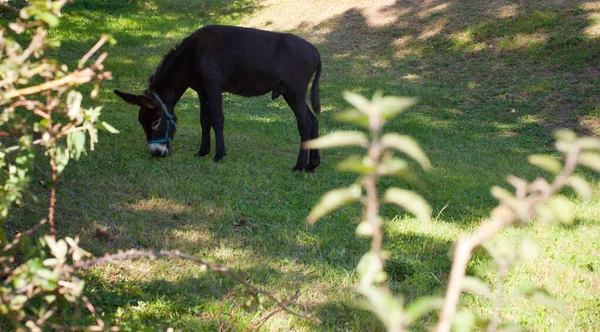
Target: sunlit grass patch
(492, 81)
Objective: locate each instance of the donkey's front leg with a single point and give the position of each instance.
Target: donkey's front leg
(215, 101)
(205, 124)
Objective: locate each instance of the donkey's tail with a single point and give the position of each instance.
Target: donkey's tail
(314, 92)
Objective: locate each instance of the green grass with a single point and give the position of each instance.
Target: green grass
(491, 89)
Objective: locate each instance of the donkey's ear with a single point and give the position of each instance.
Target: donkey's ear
(139, 100)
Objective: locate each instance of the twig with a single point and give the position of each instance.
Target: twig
(90, 307)
(138, 254)
(36, 43)
(497, 297)
(78, 77)
(9, 7)
(54, 167)
(502, 217)
(220, 313)
(439, 213)
(92, 50)
(258, 324)
(462, 255)
(18, 238)
(57, 327)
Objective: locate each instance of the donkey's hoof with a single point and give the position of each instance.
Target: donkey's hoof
(201, 154)
(298, 168)
(311, 168)
(217, 159)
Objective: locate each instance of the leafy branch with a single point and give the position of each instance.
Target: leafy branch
(38, 99)
(23, 65)
(379, 161)
(539, 200)
(40, 106)
(141, 254)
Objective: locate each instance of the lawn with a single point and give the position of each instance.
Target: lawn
(493, 80)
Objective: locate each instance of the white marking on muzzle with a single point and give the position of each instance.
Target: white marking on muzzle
(158, 148)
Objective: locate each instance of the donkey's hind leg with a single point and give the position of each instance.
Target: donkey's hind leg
(300, 109)
(205, 124)
(315, 154)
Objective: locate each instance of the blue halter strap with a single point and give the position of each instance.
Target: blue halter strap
(170, 121)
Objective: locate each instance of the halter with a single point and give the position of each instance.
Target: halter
(170, 121)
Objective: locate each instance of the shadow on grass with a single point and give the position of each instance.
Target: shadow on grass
(148, 29)
(181, 297)
(470, 63)
(525, 55)
(493, 79)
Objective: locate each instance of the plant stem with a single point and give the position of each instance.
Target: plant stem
(466, 244)
(54, 170)
(370, 183)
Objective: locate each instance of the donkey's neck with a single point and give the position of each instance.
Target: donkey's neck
(169, 81)
(169, 93)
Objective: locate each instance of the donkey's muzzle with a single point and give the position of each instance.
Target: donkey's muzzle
(158, 149)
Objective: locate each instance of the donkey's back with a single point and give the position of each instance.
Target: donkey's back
(251, 62)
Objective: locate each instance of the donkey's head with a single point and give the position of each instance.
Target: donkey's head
(158, 122)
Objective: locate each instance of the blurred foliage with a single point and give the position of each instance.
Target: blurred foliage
(539, 200)
(40, 106)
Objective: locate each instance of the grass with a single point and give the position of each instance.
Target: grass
(493, 78)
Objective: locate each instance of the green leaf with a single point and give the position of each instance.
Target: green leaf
(501, 194)
(540, 295)
(333, 200)
(557, 209)
(387, 308)
(62, 158)
(77, 286)
(390, 106)
(511, 327)
(564, 139)
(545, 162)
(475, 285)
(544, 213)
(589, 143)
(338, 138)
(368, 267)
(49, 241)
(528, 250)
(563, 147)
(74, 111)
(17, 301)
(353, 116)
(581, 186)
(356, 164)
(410, 201)
(78, 253)
(422, 306)
(365, 229)
(50, 262)
(464, 321)
(60, 250)
(50, 298)
(107, 127)
(565, 135)
(76, 143)
(394, 166)
(408, 146)
(591, 160)
(361, 103)
(46, 279)
(561, 209)
(49, 18)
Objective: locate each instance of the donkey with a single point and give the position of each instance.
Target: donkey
(242, 61)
